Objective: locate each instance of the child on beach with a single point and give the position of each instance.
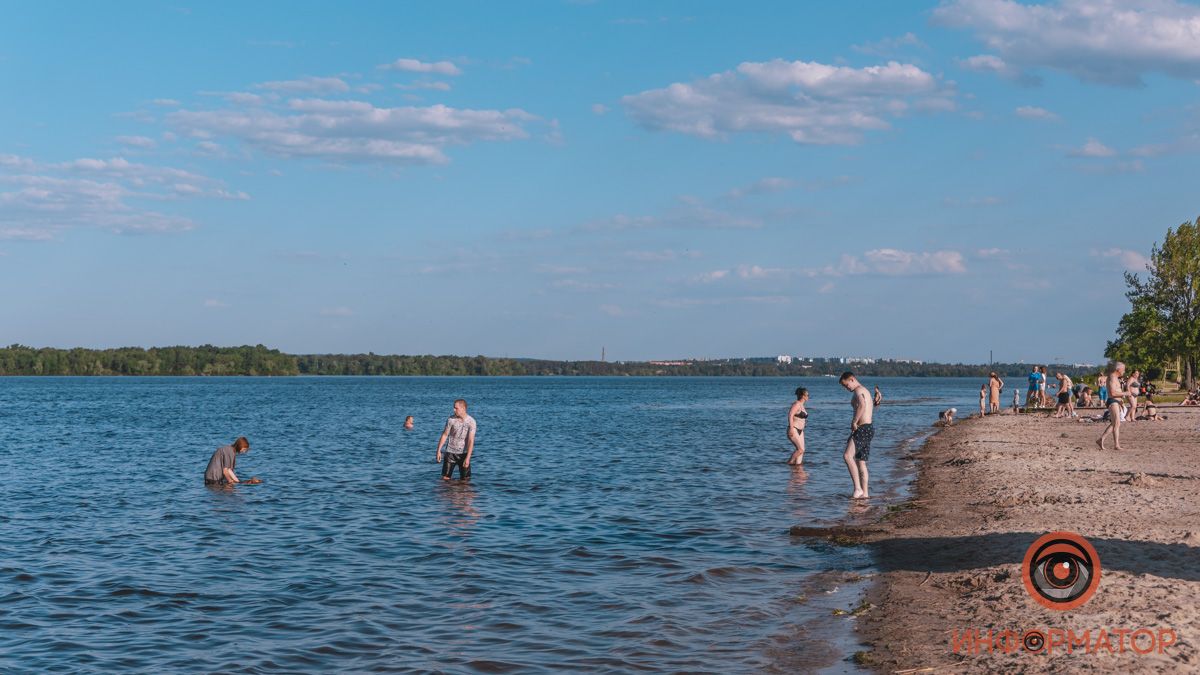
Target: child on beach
(983, 393)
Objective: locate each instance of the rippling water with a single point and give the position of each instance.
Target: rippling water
(611, 524)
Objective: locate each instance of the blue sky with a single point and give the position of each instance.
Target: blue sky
(687, 179)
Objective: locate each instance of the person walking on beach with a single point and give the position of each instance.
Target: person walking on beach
(797, 420)
(1116, 395)
(221, 465)
(459, 439)
(862, 432)
(996, 385)
(1064, 395)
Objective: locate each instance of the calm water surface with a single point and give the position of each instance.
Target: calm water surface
(611, 524)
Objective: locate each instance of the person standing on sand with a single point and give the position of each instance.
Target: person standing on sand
(1132, 390)
(1031, 397)
(862, 432)
(221, 464)
(1116, 395)
(1043, 401)
(797, 420)
(459, 439)
(1063, 408)
(1016, 401)
(996, 384)
(1102, 388)
(983, 392)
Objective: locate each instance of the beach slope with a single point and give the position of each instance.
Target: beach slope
(988, 488)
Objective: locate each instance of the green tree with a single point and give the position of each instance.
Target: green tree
(1164, 321)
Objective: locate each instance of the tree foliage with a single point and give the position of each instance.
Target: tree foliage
(1164, 320)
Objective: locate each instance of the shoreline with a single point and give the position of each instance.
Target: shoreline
(949, 558)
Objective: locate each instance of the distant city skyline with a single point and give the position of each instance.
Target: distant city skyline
(925, 181)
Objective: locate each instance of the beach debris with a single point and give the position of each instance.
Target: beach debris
(1192, 538)
(862, 658)
(1139, 479)
(928, 575)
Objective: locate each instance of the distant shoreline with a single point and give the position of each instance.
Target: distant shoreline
(258, 360)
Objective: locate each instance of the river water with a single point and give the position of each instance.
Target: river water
(612, 524)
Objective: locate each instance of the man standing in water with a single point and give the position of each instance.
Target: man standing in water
(858, 446)
(459, 439)
(220, 467)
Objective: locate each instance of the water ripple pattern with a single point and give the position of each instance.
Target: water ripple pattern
(611, 524)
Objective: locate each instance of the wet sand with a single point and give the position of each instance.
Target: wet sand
(950, 560)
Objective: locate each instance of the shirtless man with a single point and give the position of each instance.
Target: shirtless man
(1064, 395)
(1116, 396)
(858, 446)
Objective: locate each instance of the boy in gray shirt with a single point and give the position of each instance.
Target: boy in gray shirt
(459, 439)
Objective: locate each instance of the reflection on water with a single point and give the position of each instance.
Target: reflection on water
(656, 543)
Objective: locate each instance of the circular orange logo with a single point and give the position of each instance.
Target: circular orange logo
(1061, 570)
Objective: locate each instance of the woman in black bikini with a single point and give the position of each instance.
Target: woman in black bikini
(797, 420)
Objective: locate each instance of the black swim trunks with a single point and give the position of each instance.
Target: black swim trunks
(1064, 397)
(451, 460)
(862, 437)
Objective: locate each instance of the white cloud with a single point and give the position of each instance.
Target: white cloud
(693, 217)
(337, 311)
(38, 201)
(415, 66)
(894, 262)
(666, 255)
(890, 45)
(1032, 112)
(214, 304)
(757, 272)
(1092, 148)
(612, 310)
(577, 285)
(1107, 41)
(992, 253)
(355, 131)
(435, 85)
(165, 102)
(990, 63)
(137, 141)
(599, 108)
(1126, 259)
(762, 186)
(715, 275)
(808, 102)
(307, 85)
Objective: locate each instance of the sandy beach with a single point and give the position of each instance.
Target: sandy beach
(988, 488)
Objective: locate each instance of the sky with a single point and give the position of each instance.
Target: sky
(937, 181)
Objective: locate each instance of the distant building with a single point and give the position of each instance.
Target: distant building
(783, 360)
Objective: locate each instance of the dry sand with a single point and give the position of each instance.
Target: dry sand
(987, 488)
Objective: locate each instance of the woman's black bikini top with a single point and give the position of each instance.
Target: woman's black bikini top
(802, 415)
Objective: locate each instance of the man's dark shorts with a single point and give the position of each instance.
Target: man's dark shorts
(862, 437)
(451, 460)
(1064, 398)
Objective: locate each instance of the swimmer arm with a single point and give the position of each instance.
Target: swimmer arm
(230, 475)
(859, 410)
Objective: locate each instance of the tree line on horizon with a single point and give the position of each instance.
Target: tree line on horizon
(1160, 334)
(259, 360)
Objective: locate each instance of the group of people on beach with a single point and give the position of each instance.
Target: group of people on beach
(862, 430)
(458, 439)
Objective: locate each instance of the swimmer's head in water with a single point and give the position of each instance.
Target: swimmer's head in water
(801, 393)
(241, 444)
